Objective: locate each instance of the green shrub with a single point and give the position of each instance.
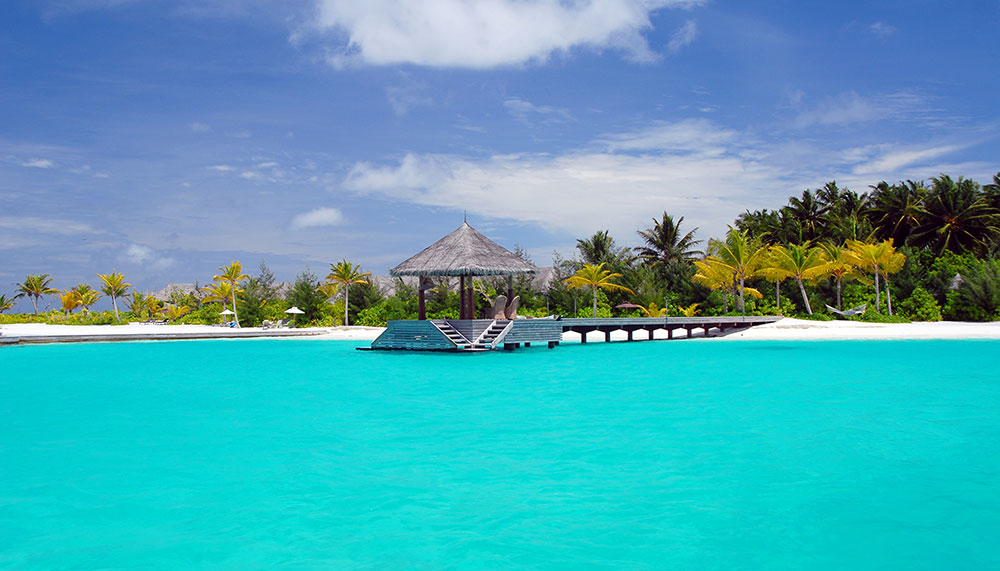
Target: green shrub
(920, 306)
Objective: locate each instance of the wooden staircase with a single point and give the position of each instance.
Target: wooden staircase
(488, 340)
(494, 334)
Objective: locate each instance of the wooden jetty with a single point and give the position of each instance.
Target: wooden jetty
(477, 335)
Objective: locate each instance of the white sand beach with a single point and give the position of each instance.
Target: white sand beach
(787, 329)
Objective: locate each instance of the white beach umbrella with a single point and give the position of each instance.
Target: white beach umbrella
(227, 312)
(294, 310)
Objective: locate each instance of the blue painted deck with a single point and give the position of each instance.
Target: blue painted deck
(461, 334)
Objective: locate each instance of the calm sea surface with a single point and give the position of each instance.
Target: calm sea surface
(682, 455)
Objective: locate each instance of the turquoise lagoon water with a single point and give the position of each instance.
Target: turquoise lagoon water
(683, 455)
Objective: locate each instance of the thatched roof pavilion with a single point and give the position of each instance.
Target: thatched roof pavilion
(464, 253)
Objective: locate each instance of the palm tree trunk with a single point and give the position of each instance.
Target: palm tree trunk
(777, 294)
(595, 301)
(878, 299)
(236, 316)
(743, 308)
(805, 298)
(838, 294)
(34, 303)
(114, 303)
(888, 295)
(347, 296)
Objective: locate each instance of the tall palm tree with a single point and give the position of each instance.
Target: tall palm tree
(744, 255)
(896, 210)
(870, 256)
(601, 249)
(958, 218)
(799, 261)
(220, 292)
(809, 212)
(345, 273)
(114, 287)
(665, 243)
(232, 275)
(716, 275)
(35, 286)
(595, 277)
(841, 265)
(892, 262)
(6, 303)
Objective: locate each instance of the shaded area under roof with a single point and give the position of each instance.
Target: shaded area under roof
(464, 252)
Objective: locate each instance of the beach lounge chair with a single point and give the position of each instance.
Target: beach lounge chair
(511, 311)
(498, 311)
(848, 312)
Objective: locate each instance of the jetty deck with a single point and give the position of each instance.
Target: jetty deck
(476, 335)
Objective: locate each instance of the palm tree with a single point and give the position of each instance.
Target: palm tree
(87, 296)
(601, 249)
(958, 217)
(595, 277)
(892, 262)
(810, 213)
(220, 292)
(232, 275)
(744, 256)
(35, 286)
(70, 300)
(6, 303)
(869, 256)
(799, 261)
(715, 275)
(114, 287)
(896, 210)
(841, 265)
(345, 273)
(665, 243)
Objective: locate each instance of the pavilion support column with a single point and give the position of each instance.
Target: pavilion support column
(422, 308)
(461, 300)
(471, 300)
(510, 288)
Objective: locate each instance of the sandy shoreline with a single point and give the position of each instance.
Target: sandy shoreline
(787, 329)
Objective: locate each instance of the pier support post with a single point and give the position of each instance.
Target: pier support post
(552, 344)
(583, 337)
(607, 337)
(670, 333)
(629, 334)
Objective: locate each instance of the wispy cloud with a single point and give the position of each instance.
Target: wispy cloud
(682, 37)
(38, 163)
(59, 226)
(407, 94)
(319, 217)
(526, 112)
(851, 107)
(882, 30)
(147, 257)
(200, 127)
(456, 33)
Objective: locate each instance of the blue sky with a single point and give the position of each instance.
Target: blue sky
(165, 139)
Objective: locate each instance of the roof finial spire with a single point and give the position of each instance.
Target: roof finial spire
(465, 216)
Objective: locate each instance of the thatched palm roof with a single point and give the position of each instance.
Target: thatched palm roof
(464, 252)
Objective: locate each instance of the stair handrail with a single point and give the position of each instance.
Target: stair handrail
(441, 324)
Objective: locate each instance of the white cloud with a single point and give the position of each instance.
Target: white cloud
(144, 255)
(222, 168)
(38, 163)
(46, 225)
(893, 160)
(484, 33)
(694, 168)
(318, 217)
(524, 111)
(408, 94)
(682, 37)
(200, 127)
(882, 30)
(850, 107)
